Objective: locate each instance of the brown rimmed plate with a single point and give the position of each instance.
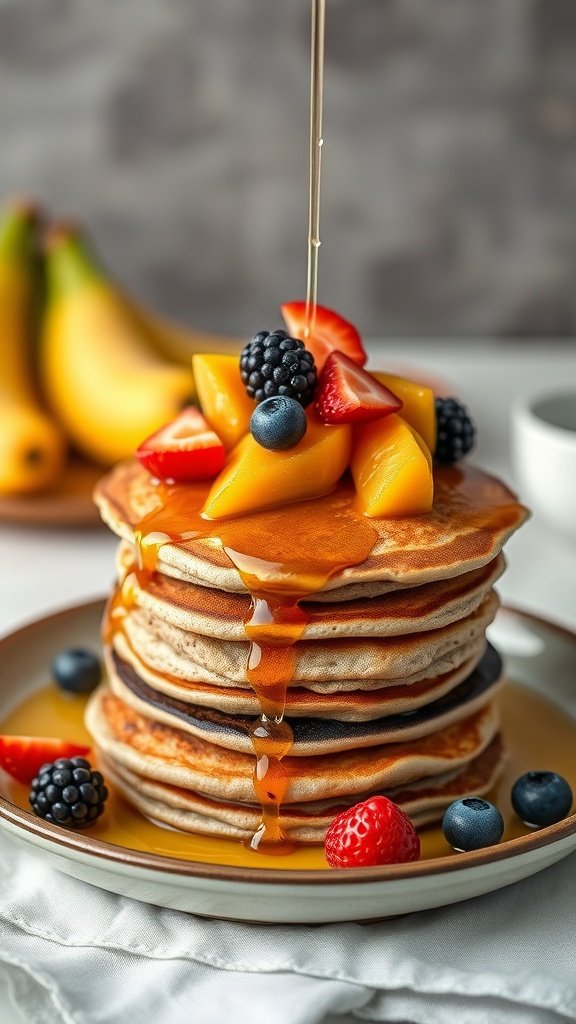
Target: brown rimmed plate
(68, 504)
(539, 656)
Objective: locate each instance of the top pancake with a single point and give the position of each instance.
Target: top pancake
(472, 517)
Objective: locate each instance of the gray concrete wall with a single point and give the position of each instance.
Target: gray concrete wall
(178, 130)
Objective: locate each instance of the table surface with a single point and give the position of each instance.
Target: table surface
(45, 569)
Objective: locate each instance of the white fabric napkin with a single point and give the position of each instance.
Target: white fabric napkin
(75, 954)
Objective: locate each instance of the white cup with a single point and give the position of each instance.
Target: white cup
(544, 457)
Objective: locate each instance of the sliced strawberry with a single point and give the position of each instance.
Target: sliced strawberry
(331, 333)
(186, 449)
(348, 394)
(23, 756)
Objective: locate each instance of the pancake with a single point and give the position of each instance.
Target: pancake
(173, 660)
(170, 755)
(221, 615)
(311, 736)
(333, 663)
(472, 517)
(188, 811)
(353, 705)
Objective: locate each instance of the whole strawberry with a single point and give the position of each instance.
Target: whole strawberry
(373, 832)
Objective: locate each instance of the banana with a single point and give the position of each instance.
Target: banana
(32, 446)
(179, 344)
(105, 384)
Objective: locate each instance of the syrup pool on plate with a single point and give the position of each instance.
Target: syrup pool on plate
(536, 735)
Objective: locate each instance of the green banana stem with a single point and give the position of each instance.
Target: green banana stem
(71, 265)
(18, 233)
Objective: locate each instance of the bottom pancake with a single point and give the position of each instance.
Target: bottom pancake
(188, 811)
(170, 755)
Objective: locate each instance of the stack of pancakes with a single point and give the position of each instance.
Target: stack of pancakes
(393, 687)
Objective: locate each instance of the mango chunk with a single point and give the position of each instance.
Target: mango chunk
(418, 406)
(222, 396)
(255, 478)
(392, 469)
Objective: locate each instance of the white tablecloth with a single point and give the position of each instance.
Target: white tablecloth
(42, 569)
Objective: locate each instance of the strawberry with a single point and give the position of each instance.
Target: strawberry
(23, 756)
(348, 394)
(331, 332)
(373, 832)
(186, 449)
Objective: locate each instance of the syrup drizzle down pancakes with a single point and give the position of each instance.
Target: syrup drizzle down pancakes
(362, 641)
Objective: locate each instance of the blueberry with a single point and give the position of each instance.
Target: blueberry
(76, 670)
(541, 798)
(278, 423)
(472, 823)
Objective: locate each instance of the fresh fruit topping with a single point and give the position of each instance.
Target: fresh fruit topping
(472, 823)
(373, 832)
(541, 798)
(222, 396)
(392, 469)
(455, 431)
(418, 405)
(76, 670)
(23, 756)
(69, 793)
(331, 333)
(278, 423)
(186, 449)
(254, 478)
(348, 394)
(276, 364)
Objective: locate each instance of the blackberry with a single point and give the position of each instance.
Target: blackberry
(68, 792)
(456, 432)
(276, 364)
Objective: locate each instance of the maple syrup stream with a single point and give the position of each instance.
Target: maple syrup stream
(316, 143)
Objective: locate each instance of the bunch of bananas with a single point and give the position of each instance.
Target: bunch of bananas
(81, 366)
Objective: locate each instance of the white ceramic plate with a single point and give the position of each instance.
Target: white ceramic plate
(538, 654)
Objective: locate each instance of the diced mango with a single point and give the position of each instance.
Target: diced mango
(418, 406)
(255, 478)
(222, 396)
(392, 469)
